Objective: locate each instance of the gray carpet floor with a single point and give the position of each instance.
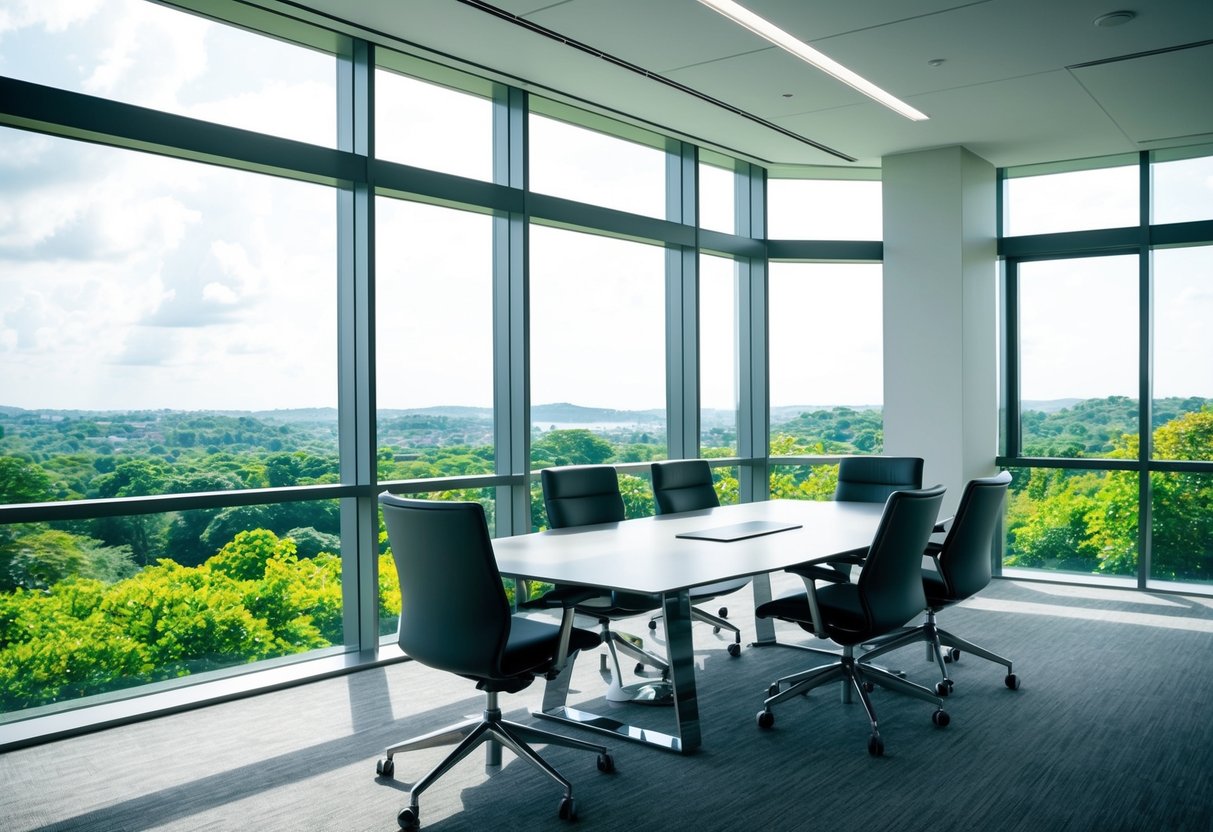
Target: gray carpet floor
(1112, 729)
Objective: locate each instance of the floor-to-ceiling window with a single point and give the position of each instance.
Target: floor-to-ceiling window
(287, 271)
(720, 371)
(169, 370)
(597, 313)
(825, 321)
(1108, 394)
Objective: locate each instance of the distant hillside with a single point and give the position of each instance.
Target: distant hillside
(786, 412)
(450, 411)
(1048, 405)
(564, 412)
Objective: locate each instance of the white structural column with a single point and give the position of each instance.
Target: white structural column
(941, 314)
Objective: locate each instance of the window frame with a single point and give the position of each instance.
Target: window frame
(1139, 240)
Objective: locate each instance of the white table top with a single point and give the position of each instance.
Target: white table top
(644, 555)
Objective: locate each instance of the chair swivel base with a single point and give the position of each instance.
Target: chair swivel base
(719, 622)
(648, 692)
(496, 732)
(656, 692)
(858, 677)
(937, 639)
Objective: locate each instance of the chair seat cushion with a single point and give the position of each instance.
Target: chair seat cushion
(793, 606)
(840, 607)
(532, 645)
(710, 591)
(620, 605)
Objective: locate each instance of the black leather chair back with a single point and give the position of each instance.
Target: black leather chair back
(890, 582)
(581, 495)
(454, 614)
(964, 557)
(871, 479)
(683, 485)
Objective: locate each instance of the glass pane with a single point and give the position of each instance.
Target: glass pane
(1183, 190)
(1073, 201)
(1182, 527)
(820, 406)
(717, 195)
(824, 209)
(431, 126)
(434, 340)
(1078, 357)
(389, 582)
(1072, 521)
(165, 327)
(803, 482)
(154, 56)
(1183, 386)
(597, 349)
(725, 481)
(99, 607)
(718, 357)
(588, 166)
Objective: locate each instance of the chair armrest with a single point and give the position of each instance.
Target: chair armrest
(811, 573)
(943, 525)
(933, 551)
(822, 571)
(565, 598)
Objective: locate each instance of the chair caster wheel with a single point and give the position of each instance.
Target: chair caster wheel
(640, 667)
(715, 631)
(734, 649)
(568, 809)
(773, 690)
(408, 819)
(1012, 681)
(766, 719)
(606, 763)
(953, 655)
(869, 687)
(875, 745)
(940, 718)
(723, 612)
(385, 768)
(943, 689)
(652, 624)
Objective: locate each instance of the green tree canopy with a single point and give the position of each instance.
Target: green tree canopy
(22, 481)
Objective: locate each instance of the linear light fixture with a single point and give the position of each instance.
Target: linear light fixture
(766, 29)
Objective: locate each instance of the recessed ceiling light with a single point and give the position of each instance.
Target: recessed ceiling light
(936, 62)
(766, 29)
(1114, 18)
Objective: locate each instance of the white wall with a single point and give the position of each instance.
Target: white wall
(941, 314)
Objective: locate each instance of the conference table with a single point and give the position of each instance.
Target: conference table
(652, 555)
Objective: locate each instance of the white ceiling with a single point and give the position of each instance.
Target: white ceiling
(1023, 81)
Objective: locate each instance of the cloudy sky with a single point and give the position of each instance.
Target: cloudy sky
(134, 281)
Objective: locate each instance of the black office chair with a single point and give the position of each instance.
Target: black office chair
(585, 495)
(686, 485)
(871, 479)
(886, 594)
(455, 617)
(962, 569)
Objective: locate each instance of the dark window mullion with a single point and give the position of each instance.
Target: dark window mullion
(1145, 313)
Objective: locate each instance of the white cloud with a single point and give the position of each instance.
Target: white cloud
(52, 15)
(150, 51)
(218, 293)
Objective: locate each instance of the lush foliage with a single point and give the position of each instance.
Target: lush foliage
(254, 599)
(88, 607)
(1087, 521)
